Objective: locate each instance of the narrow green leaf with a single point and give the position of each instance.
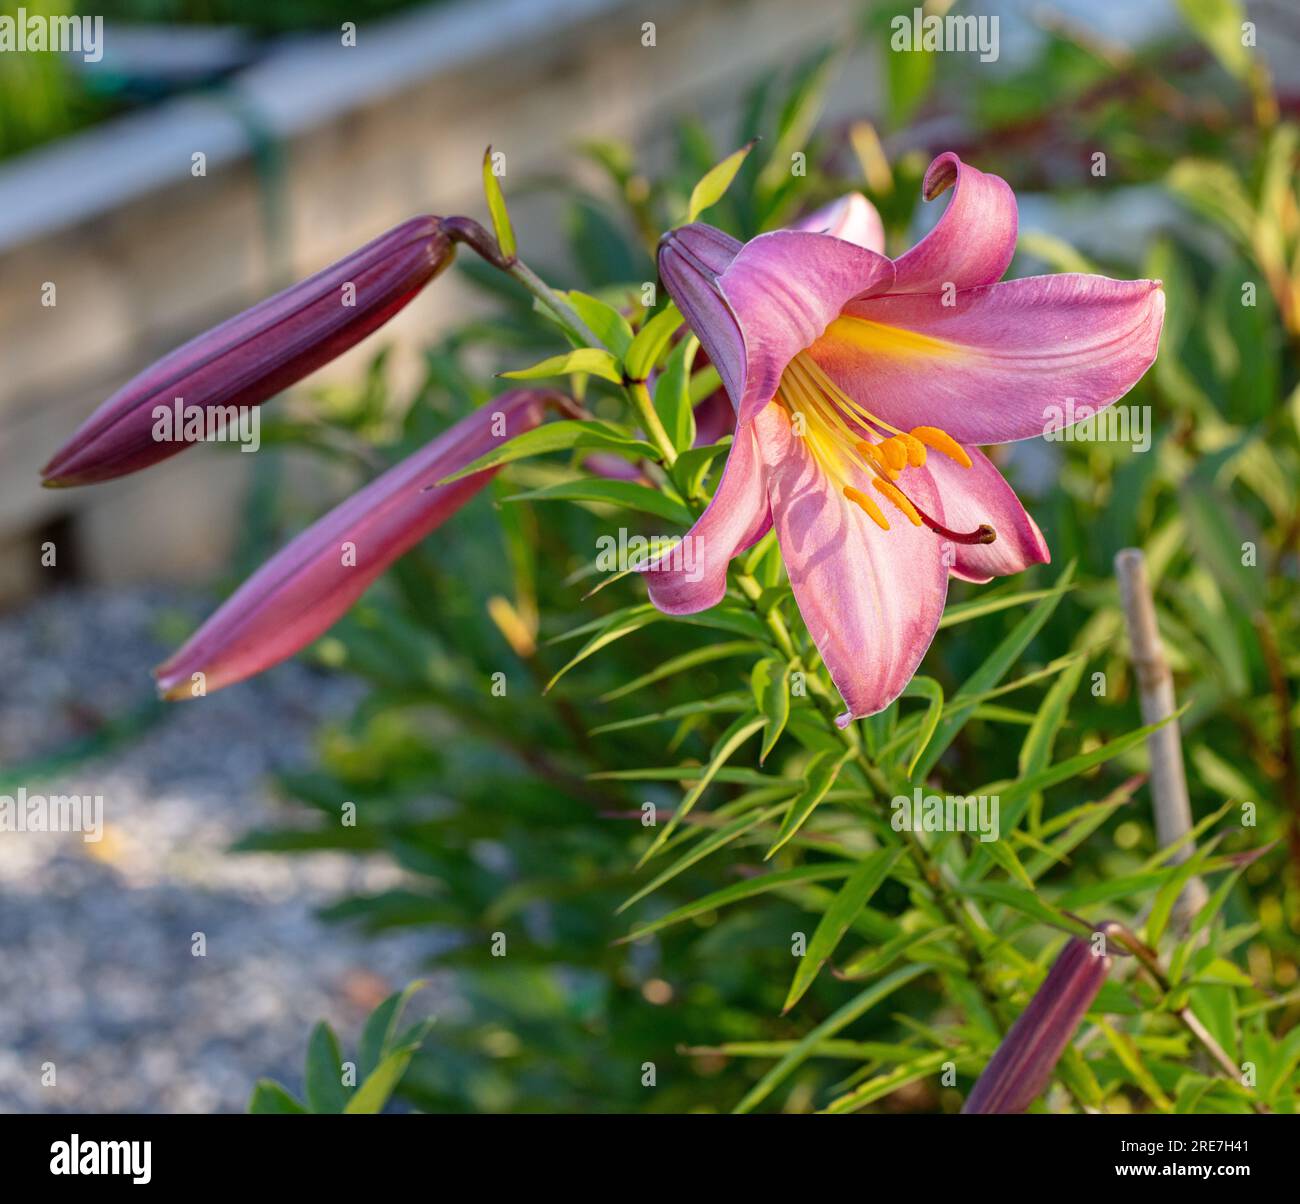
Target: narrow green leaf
(496, 203)
(381, 1027)
(928, 688)
(1005, 857)
(1026, 902)
(841, 1018)
(270, 1099)
(697, 852)
(964, 612)
(687, 660)
(1131, 1059)
(376, 1088)
(594, 361)
(672, 397)
(748, 889)
(631, 495)
(568, 435)
(1163, 907)
(991, 672)
(615, 630)
(886, 1084)
(605, 322)
(1218, 23)
(650, 341)
(730, 740)
(324, 1077)
(850, 900)
(715, 182)
(693, 465)
(819, 777)
(770, 682)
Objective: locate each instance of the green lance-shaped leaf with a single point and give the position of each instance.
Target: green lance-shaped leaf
(771, 684)
(376, 1088)
(496, 203)
(839, 1019)
(932, 691)
(650, 341)
(569, 435)
(379, 1035)
(593, 360)
(1218, 23)
(823, 769)
(672, 397)
(990, 672)
(730, 740)
(693, 465)
(324, 1076)
(715, 182)
(628, 494)
(710, 844)
(851, 899)
(270, 1099)
(748, 889)
(677, 664)
(605, 322)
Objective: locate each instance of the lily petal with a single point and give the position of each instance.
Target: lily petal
(735, 519)
(785, 288)
(1000, 362)
(691, 259)
(981, 494)
(973, 241)
(852, 217)
(871, 598)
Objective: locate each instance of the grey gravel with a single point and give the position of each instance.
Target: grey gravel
(97, 974)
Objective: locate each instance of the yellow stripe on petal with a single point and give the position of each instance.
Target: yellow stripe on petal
(878, 338)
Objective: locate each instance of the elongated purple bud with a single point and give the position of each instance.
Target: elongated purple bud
(1018, 1073)
(308, 585)
(253, 356)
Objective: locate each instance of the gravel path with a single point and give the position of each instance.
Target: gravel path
(96, 970)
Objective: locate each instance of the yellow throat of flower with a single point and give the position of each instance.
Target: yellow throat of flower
(851, 443)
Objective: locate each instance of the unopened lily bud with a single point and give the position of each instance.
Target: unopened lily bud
(253, 356)
(310, 583)
(1018, 1073)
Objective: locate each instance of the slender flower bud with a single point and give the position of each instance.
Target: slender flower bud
(308, 585)
(253, 356)
(1018, 1073)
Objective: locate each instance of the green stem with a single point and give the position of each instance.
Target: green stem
(639, 396)
(564, 313)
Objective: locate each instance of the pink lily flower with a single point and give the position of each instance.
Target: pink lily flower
(306, 587)
(861, 388)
